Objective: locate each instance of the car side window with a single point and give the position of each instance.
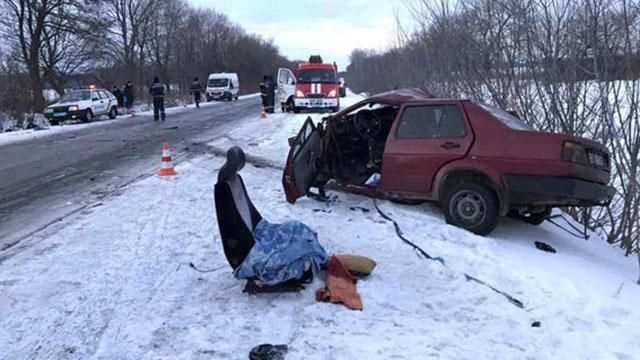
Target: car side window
(95, 96)
(431, 121)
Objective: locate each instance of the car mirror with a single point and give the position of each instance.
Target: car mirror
(291, 140)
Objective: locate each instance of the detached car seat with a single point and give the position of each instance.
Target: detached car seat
(237, 217)
(237, 220)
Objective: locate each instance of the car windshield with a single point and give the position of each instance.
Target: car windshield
(325, 76)
(507, 119)
(76, 95)
(220, 82)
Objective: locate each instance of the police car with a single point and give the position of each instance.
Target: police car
(82, 104)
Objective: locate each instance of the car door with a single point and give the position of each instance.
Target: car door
(301, 171)
(286, 85)
(106, 101)
(423, 138)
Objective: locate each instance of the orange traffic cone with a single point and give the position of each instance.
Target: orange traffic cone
(167, 167)
(263, 114)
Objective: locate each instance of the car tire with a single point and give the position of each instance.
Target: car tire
(296, 110)
(289, 106)
(533, 219)
(471, 206)
(113, 113)
(88, 116)
(54, 122)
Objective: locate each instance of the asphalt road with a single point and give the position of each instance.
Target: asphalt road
(46, 179)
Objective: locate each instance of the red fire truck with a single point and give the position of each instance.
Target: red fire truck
(310, 86)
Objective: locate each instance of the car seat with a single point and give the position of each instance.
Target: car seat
(237, 220)
(237, 217)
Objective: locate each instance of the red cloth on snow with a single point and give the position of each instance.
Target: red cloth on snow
(341, 286)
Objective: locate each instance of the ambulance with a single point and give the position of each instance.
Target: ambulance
(312, 85)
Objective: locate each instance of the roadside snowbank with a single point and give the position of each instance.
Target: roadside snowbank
(114, 281)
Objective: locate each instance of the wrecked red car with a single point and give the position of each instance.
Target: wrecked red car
(477, 161)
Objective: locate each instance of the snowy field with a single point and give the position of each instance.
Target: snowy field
(113, 282)
(141, 110)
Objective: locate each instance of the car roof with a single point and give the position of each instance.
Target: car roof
(401, 96)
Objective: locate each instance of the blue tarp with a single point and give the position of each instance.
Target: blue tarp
(282, 252)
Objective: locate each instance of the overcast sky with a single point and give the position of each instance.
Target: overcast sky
(331, 28)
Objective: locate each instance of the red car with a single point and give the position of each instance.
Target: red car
(477, 161)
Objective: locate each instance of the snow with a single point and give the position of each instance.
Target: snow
(113, 281)
(141, 110)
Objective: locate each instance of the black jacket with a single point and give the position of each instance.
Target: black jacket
(128, 91)
(196, 87)
(157, 90)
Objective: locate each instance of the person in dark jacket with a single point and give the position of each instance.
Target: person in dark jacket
(196, 90)
(128, 95)
(119, 97)
(267, 92)
(157, 91)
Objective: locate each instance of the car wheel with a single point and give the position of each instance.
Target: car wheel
(113, 113)
(54, 122)
(289, 105)
(88, 116)
(296, 110)
(471, 206)
(531, 218)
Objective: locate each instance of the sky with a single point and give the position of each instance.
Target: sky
(331, 28)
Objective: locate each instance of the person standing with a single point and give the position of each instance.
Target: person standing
(128, 95)
(267, 92)
(157, 91)
(196, 90)
(119, 97)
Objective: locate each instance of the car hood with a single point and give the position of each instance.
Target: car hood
(66, 103)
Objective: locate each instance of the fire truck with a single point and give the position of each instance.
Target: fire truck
(310, 86)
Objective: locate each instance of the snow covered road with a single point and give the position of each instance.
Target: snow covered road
(113, 281)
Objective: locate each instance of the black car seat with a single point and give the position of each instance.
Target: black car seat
(237, 220)
(237, 217)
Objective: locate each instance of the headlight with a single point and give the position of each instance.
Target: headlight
(48, 111)
(74, 108)
(299, 93)
(332, 93)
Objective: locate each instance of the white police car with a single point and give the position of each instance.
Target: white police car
(82, 104)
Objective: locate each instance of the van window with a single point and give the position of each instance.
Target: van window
(431, 121)
(218, 82)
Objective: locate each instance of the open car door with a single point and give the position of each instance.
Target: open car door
(301, 170)
(286, 83)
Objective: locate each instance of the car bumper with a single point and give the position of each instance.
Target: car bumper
(217, 95)
(67, 115)
(315, 103)
(555, 191)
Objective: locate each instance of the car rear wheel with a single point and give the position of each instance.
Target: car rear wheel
(471, 206)
(54, 122)
(113, 113)
(88, 116)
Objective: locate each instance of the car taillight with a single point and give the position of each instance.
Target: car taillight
(332, 93)
(574, 152)
(299, 93)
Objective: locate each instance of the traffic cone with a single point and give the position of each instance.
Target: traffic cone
(167, 167)
(263, 114)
